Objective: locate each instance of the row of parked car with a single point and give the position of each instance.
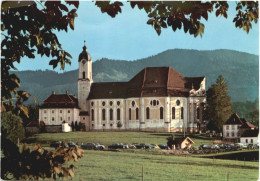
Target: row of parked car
(98, 146)
(226, 146)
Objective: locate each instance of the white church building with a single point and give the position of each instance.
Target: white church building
(156, 99)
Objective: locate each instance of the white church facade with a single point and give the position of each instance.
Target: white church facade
(156, 99)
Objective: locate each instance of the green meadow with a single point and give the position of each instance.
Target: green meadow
(150, 164)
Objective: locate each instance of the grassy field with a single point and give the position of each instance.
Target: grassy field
(106, 165)
(127, 165)
(108, 138)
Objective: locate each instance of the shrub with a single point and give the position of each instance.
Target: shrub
(12, 127)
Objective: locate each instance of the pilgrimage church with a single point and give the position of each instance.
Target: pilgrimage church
(156, 99)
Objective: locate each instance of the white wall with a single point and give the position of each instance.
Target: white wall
(249, 140)
(228, 130)
(53, 116)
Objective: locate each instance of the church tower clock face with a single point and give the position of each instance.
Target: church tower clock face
(84, 61)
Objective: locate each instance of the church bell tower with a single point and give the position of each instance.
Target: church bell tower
(85, 79)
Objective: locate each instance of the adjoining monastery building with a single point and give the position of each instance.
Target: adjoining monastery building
(156, 99)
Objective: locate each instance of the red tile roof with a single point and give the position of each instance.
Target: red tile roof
(247, 124)
(150, 82)
(60, 101)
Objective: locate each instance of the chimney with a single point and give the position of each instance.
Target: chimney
(53, 92)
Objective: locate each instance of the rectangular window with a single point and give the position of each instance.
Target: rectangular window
(52, 118)
(130, 117)
(60, 111)
(45, 117)
(111, 124)
(227, 127)
(45, 111)
(147, 113)
(161, 112)
(68, 118)
(104, 125)
(118, 114)
(233, 134)
(251, 140)
(173, 112)
(238, 134)
(233, 127)
(137, 113)
(92, 125)
(84, 118)
(181, 112)
(227, 134)
(92, 114)
(61, 118)
(246, 140)
(52, 111)
(68, 111)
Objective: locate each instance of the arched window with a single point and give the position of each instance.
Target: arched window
(137, 113)
(133, 103)
(173, 112)
(147, 113)
(118, 114)
(103, 114)
(111, 114)
(181, 112)
(198, 113)
(92, 114)
(161, 112)
(84, 74)
(130, 115)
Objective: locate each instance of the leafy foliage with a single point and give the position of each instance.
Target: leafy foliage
(27, 28)
(218, 104)
(39, 163)
(119, 124)
(186, 15)
(12, 127)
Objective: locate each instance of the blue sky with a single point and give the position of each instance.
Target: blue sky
(128, 37)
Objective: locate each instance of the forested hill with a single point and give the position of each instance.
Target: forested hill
(239, 69)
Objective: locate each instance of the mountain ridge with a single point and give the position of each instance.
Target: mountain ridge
(238, 68)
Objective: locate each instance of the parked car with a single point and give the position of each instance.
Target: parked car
(71, 144)
(240, 145)
(55, 144)
(156, 146)
(140, 146)
(253, 146)
(89, 146)
(118, 146)
(99, 146)
(132, 146)
(163, 147)
(149, 146)
(204, 147)
(214, 147)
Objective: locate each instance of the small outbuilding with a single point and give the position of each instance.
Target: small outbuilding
(250, 137)
(65, 127)
(182, 143)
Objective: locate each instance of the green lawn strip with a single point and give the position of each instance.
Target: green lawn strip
(105, 165)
